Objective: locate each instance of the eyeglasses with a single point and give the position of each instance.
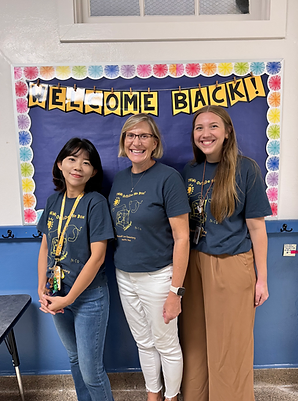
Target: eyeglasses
(142, 137)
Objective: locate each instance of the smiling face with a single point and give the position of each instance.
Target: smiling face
(76, 170)
(209, 135)
(140, 151)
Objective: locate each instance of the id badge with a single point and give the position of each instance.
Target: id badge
(197, 234)
(57, 276)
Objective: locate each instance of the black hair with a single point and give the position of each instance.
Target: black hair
(72, 147)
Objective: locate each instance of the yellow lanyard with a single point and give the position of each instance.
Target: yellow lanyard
(60, 241)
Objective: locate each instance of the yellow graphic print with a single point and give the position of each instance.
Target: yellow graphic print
(123, 215)
(71, 235)
(117, 201)
(195, 196)
(190, 189)
(50, 223)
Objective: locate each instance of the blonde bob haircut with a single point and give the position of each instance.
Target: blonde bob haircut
(134, 120)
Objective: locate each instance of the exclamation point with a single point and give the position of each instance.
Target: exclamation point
(253, 81)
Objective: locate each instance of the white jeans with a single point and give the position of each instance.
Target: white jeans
(143, 296)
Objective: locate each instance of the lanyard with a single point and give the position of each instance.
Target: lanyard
(202, 200)
(61, 235)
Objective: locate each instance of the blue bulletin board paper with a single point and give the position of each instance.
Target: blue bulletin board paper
(56, 103)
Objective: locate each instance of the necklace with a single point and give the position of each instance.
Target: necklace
(202, 200)
(131, 177)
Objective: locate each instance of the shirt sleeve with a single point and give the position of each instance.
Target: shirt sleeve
(99, 220)
(256, 203)
(176, 200)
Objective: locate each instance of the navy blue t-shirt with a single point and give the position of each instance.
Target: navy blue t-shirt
(141, 217)
(231, 236)
(90, 223)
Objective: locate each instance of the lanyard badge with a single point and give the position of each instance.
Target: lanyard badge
(197, 234)
(199, 231)
(54, 282)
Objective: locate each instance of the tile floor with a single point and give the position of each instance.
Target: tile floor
(270, 385)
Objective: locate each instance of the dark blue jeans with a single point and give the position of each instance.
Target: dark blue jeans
(82, 329)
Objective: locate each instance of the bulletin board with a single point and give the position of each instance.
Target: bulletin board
(56, 103)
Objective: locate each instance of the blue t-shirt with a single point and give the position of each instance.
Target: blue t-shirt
(231, 236)
(90, 223)
(141, 217)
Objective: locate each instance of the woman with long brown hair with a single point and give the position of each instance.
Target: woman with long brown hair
(228, 239)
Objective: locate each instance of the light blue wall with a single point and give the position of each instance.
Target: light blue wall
(39, 346)
(40, 350)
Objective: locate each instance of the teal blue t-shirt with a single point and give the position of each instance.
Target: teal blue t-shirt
(90, 223)
(141, 217)
(231, 236)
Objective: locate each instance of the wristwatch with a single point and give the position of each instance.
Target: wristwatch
(178, 290)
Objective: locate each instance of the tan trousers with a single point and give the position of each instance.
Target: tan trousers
(216, 328)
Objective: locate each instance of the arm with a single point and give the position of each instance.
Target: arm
(86, 276)
(42, 276)
(258, 235)
(180, 230)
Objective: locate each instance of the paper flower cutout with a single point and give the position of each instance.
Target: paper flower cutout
(18, 72)
(272, 179)
(144, 70)
(257, 68)
(192, 69)
(31, 73)
(29, 200)
(176, 70)
(274, 116)
(273, 148)
(26, 154)
(273, 131)
(274, 83)
(30, 215)
(21, 89)
(274, 99)
(225, 68)
(209, 69)
(47, 72)
(128, 71)
(23, 121)
(28, 185)
(22, 106)
(24, 138)
(63, 72)
(38, 215)
(27, 169)
(273, 67)
(272, 194)
(273, 208)
(79, 72)
(160, 70)
(272, 163)
(95, 71)
(241, 68)
(111, 71)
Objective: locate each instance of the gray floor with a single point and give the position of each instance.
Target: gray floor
(270, 385)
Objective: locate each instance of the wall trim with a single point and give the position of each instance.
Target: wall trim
(30, 232)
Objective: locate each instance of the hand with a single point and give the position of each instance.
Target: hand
(56, 303)
(43, 302)
(172, 307)
(52, 305)
(261, 293)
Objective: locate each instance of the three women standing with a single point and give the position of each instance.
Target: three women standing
(150, 209)
(228, 236)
